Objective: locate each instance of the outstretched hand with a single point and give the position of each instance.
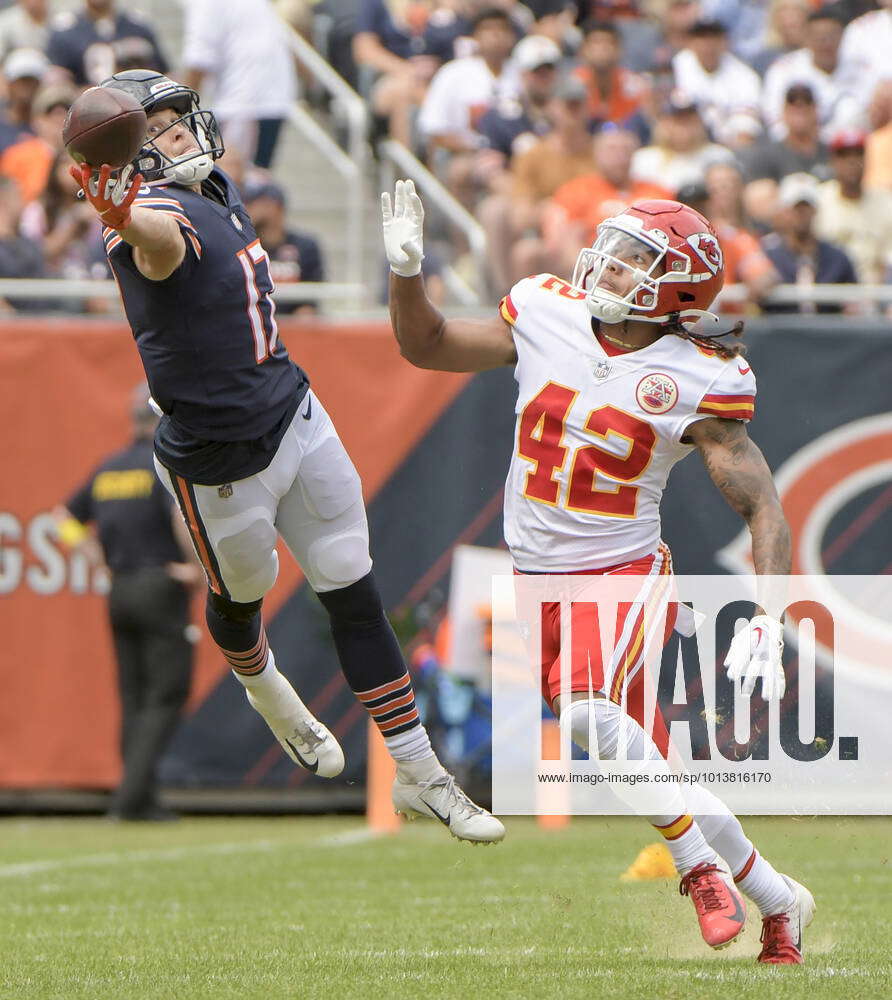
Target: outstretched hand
(756, 652)
(111, 197)
(403, 226)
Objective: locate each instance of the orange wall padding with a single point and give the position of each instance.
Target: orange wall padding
(64, 398)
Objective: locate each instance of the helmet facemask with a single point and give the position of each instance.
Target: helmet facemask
(620, 258)
(192, 167)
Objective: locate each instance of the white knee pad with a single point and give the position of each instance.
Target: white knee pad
(338, 560)
(250, 560)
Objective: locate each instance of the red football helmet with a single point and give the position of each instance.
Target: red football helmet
(672, 252)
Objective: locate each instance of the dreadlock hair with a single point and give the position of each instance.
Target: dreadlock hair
(724, 351)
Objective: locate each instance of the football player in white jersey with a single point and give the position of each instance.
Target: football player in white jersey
(614, 389)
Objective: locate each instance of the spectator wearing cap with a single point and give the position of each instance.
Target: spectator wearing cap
(86, 45)
(878, 147)
(514, 123)
(293, 255)
(784, 32)
(721, 84)
(865, 49)
(398, 47)
(800, 150)
(798, 255)
(615, 94)
(461, 92)
(24, 25)
(535, 174)
(24, 156)
(857, 219)
(681, 150)
(23, 70)
(817, 66)
(572, 215)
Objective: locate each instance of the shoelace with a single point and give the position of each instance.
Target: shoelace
(771, 935)
(311, 734)
(706, 893)
(448, 782)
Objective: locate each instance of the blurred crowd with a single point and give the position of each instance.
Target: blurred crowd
(772, 117)
(51, 52)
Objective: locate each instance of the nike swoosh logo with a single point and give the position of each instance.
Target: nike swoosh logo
(739, 912)
(443, 819)
(743, 371)
(314, 767)
(306, 414)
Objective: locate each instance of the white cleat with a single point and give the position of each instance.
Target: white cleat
(306, 741)
(442, 799)
(802, 912)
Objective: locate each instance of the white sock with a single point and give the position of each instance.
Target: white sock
(761, 882)
(271, 692)
(412, 745)
(613, 727)
(752, 873)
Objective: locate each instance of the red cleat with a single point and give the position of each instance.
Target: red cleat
(782, 932)
(778, 946)
(719, 906)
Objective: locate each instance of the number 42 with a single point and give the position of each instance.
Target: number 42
(540, 441)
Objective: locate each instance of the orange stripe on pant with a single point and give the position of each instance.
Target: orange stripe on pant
(192, 522)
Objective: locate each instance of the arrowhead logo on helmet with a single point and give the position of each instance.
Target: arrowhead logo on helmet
(709, 250)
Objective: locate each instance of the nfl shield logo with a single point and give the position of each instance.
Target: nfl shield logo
(601, 370)
(224, 492)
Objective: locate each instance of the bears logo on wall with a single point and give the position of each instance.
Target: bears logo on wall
(815, 485)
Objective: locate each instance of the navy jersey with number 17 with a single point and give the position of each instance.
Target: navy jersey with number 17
(207, 337)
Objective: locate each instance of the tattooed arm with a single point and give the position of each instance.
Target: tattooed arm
(740, 471)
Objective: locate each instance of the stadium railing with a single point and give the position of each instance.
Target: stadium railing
(346, 299)
(348, 106)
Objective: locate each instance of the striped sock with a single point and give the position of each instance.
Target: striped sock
(252, 661)
(685, 841)
(392, 706)
(764, 886)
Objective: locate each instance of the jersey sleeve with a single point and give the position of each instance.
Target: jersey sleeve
(516, 300)
(732, 394)
(157, 200)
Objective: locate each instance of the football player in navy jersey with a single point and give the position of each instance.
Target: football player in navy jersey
(246, 448)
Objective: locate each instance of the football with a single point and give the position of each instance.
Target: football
(104, 126)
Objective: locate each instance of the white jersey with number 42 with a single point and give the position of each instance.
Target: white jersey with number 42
(596, 435)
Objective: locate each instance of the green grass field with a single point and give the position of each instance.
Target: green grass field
(312, 908)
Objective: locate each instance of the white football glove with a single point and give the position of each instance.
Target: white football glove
(403, 226)
(756, 652)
